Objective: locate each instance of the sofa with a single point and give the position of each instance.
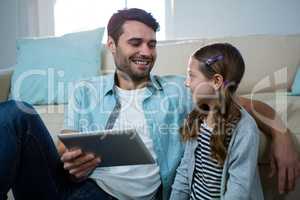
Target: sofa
(271, 64)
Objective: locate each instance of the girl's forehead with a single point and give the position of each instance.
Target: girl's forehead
(193, 61)
(193, 64)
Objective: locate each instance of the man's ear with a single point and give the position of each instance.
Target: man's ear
(111, 45)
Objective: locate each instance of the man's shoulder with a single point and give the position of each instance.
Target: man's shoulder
(246, 128)
(92, 86)
(95, 82)
(246, 119)
(96, 79)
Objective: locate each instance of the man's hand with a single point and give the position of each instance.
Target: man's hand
(285, 160)
(79, 164)
(284, 155)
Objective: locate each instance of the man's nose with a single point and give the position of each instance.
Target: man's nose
(145, 50)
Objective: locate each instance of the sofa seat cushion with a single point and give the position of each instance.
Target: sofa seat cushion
(53, 117)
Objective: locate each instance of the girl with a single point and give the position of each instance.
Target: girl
(220, 159)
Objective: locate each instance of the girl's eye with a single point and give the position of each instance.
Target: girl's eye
(190, 78)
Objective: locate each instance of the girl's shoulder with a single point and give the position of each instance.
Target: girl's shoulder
(246, 128)
(246, 119)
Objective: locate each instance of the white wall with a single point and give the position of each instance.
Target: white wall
(35, 18)
(23, 18)
(219, 18)
(184, 19)
(7, 33)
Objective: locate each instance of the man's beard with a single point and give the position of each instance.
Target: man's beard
(130, 75)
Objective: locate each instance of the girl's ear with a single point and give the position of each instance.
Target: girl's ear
(218, 81)
(111, 45)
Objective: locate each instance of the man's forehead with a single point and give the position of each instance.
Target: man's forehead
(135, 29)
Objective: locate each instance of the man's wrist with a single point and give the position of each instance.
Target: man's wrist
(77, 180)
(280, 134)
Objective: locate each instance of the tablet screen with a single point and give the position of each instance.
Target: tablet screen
(115, 147)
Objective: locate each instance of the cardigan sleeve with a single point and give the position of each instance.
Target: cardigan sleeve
(180, 187)
(242, 161)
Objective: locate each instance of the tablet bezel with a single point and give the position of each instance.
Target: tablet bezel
(115, 147)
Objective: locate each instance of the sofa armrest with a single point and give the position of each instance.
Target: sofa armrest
(5, 76)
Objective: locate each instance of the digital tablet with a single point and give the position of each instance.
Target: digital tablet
(115, 147)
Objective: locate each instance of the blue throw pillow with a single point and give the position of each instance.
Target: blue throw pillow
(296, 84)
(46, 66)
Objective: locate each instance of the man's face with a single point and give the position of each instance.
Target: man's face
(135, 52)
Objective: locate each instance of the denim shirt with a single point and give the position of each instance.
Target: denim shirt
(165, 107)
(240, 177)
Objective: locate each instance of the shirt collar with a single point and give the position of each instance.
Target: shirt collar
(109, 84)
(154, 83)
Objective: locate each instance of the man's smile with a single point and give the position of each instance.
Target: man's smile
(142, 62)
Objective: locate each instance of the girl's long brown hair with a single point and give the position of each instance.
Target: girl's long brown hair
(227, 113)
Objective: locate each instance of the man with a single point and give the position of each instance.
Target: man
(155, 106)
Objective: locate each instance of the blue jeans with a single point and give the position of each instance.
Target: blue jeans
(30, 163)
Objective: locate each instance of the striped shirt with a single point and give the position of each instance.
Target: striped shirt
(207, 175)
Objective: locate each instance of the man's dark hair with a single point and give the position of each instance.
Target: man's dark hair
(115, 24)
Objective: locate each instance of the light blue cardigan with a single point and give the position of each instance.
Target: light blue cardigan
(240, 178)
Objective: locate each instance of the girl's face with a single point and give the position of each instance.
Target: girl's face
(201, 87)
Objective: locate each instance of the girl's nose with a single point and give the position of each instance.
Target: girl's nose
(187, 82)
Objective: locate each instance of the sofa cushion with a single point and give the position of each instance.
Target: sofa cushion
(296, 84)
(45, 66)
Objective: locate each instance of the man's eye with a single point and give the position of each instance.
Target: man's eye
(135, 43)
(152, 45)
